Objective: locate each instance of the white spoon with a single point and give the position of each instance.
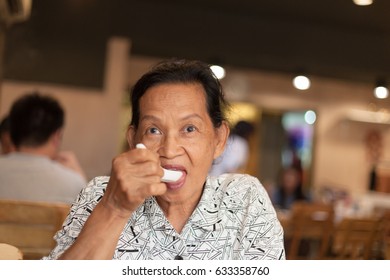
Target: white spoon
(169, 175)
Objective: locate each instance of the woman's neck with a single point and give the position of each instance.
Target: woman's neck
(177, 213)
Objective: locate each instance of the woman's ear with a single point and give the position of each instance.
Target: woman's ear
(130, 136)
(222, 136)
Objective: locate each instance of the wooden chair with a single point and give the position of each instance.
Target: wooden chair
(10, 252)
(311, 225)
(354, 238)
(386, 234)
(30, 226)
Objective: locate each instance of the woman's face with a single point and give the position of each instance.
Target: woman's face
(174, 123)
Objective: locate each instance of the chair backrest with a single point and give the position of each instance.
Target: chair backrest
(384, 233)
(310, 222)
(354, 238)
(10, 252)
(30, 226)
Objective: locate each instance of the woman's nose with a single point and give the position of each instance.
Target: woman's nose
(170, 147)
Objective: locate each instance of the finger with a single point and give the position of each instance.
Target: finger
(148, 169)
(141, 155)
(154, 190)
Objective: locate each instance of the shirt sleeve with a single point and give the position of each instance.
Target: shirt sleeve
(263, 235)
(78, 215)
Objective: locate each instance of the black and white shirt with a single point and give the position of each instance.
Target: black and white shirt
(233, 220)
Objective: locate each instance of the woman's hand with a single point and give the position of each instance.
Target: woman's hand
(135, 176)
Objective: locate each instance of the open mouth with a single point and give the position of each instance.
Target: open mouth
(179, 172)
(174, 167)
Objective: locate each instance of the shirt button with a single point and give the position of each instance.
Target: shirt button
(178, 257)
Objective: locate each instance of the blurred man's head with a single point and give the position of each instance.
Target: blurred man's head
(244, 129)
(35, 121)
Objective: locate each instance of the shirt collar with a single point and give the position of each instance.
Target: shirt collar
(205, 217)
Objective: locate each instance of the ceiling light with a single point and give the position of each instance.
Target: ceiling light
(218, 71)
(381, 91)
(301, 82)
(310, 117)
(363, 2)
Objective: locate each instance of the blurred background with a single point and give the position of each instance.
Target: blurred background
(89, 53)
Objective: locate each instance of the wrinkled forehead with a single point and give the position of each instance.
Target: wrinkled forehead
(173, 97)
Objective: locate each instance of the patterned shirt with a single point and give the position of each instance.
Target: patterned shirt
(234, 219)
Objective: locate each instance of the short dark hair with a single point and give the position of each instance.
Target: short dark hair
(34, 118)
(243, 129)
(182, 71)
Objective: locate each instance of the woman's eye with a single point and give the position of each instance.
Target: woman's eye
(153, 130)
(190, 128)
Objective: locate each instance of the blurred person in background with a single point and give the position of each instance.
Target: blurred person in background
(289, 188)
(37, 170)
(66, 158)
(236, 154)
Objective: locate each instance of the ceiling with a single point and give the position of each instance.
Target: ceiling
(64, 41)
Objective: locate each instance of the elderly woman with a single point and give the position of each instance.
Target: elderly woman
(177, 114)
